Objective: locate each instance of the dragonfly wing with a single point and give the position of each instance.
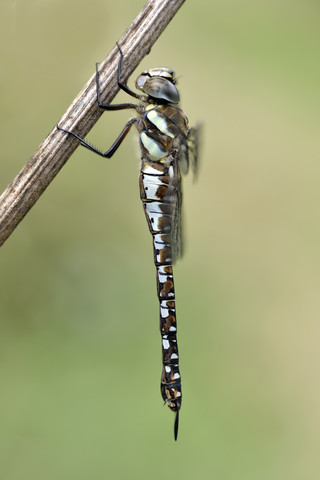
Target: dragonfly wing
(193, 149)
(176, 218)
(184, 158)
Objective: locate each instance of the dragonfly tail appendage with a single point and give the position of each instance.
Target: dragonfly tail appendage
(176, 426)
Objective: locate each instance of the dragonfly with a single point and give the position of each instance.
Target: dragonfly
(169, 149)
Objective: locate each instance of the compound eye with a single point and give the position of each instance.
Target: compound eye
(161, 88)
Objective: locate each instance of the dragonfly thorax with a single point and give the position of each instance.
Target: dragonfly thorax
(159, 84)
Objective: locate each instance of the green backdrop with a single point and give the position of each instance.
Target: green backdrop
(80, 351)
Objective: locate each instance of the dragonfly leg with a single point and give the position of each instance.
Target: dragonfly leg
(107, 106)
(125, 88)
(113, 147)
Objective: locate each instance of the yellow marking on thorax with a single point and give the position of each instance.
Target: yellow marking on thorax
(155, 149)
(160, 122)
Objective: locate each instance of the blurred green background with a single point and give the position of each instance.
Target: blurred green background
(80, 353)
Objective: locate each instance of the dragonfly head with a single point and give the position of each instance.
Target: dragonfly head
(159, 83)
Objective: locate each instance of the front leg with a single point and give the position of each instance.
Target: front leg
(121, 85)
(107, 106)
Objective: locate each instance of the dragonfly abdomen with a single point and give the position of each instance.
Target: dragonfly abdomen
(158, 195)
